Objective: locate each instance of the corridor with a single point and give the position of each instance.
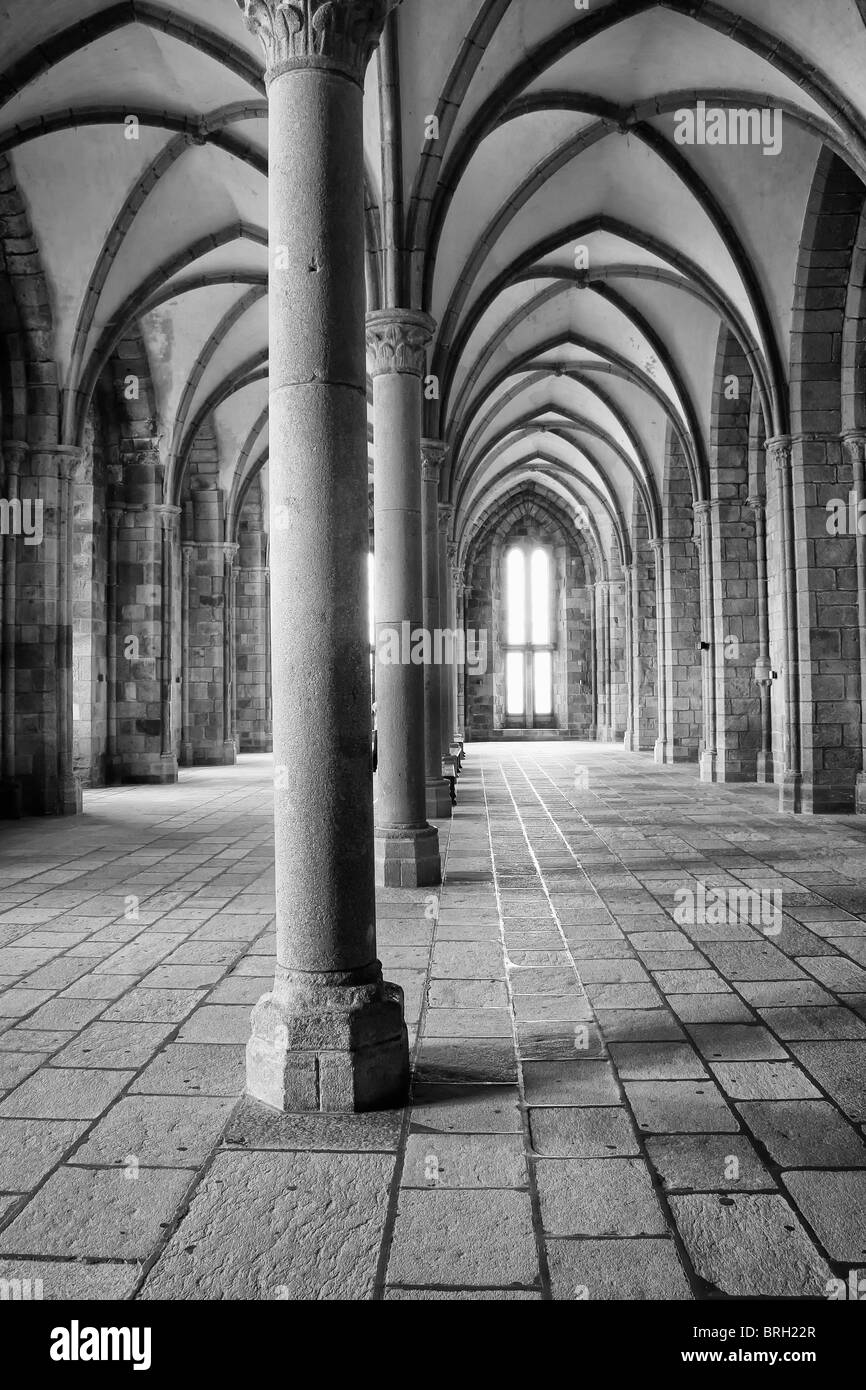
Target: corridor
(624, 1085)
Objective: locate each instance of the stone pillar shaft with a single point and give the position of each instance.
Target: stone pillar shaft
(407, 848)
(330, 1036)
(661, 753)
(438, 801)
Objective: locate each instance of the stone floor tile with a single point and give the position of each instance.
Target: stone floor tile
(735, 1042)
(123, 1045)
(156, 1131)
(15, 1066)
(582, 1132)
(63, 1093)
(570, 1083)
(624, 1270)
(710, 1008)
(97, 1214)
(74, 1282)
(708, 1163)
(194, 1069)
(254, 1126)
(804, 1133)
(598, 1197)
(465, 1109)
(464, 1161)
(466, 994)
(834, 1204)
(680, 1107)
(153, 1006)
(639, 1025)
(464, 1239)
(840, 1068)
(466, 1060)
(764, 1081)
(31, 1148)
(611, 996)
(466, 1023)
(814, 1023)
(646, 1061)
(750, 1246)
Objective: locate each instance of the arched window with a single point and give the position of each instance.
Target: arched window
(529, 643)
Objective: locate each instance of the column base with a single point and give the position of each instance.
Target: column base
(329, 1048)
(70, 799)
(230, 754)
(860, 794)
(660, 751)
(791, 793)
(438, 800)
(186, 755)
(407, 858)
(707, 766)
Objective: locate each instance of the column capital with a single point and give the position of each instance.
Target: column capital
(451, 551)
(397, 341)
(15, 453)
(779, 451)
(657, 545)
(168, 515)
(446, 514)
(433, 453)
(756, 504)
(854, 444)
(335, 35)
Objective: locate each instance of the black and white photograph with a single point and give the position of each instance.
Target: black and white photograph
(432, 676)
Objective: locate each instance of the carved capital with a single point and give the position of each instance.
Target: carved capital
(779, 453)
(397, 341)
(446, 516)
(854, 445)
(15, 453)
(337, 35)
(433, 453)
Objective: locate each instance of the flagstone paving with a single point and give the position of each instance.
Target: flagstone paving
(613, 1098)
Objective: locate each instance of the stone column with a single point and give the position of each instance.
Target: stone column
(436, 739)
(662, 752)
(185, 742)
(631, 740)
(230, 748)
(779, 460)
(446, 518)
(709, 647)
(330, 1036)
(14, 460)
(168, 521)
(763, 665)
(407, 848)
(458, 589)
(115, 516)
(855, 447)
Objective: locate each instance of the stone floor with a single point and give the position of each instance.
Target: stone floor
(613, 1098)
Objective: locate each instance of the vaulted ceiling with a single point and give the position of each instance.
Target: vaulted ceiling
(525, 187)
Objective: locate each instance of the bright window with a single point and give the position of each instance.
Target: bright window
(528, 634)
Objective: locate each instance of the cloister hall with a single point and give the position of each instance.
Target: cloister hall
(433, 666)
